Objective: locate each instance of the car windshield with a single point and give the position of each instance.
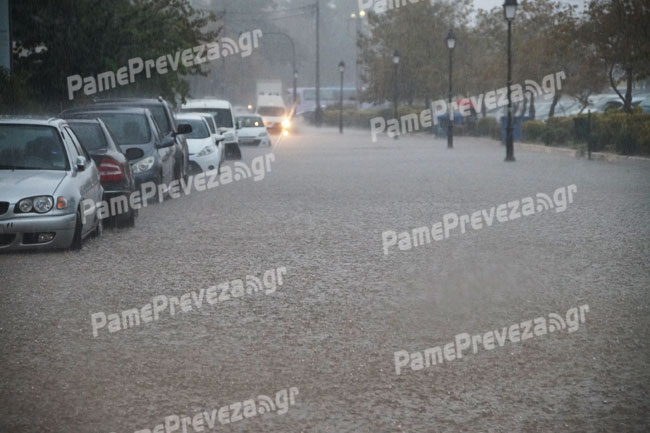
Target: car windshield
(271, 111)
(199, 128)
(250, 121)
(222, 116)
(126, 128)
(31, 147)
(210, 122)
(90, 134)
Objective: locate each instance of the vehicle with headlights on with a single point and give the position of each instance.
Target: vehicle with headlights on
(206, 151)
(252, 131)
(136, 128)
(46, 176)
(115, 172)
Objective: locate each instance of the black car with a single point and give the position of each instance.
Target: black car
(167, 123)
(115, 172)
(135, 128)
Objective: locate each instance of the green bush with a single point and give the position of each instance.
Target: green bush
(532, 130)
(488, 127)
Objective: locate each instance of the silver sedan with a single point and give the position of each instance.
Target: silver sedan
(48, 186)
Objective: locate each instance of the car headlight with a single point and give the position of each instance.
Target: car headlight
(39, 204)
(207, 150)
(143, 165)
(286, 123)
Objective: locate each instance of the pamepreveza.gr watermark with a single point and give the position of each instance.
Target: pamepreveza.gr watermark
(516, 333)
(228, 414)
(260, 165)
(510, 211)
(381, 6)
(493, 100)
(267, 284)
(195, 56)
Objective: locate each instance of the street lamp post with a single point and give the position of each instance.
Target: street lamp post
(357, 18)
(295, 90)
(395, 66)
(451, 43)
(510, 11)
(341, 70)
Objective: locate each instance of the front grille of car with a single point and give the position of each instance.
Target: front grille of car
(6, 239)
(4, 205)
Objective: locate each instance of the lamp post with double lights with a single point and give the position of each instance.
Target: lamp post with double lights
(341, 70)
(510, 11)
(395, 66)
(451, 43)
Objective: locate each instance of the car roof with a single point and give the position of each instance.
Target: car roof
(130, 101)
(111, 109)
(206, 103)
(42, 121)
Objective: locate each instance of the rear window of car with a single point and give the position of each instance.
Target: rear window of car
(31, 147)
(90, 135)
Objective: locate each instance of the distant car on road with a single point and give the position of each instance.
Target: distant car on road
(115, 172)
(135, 128)
(45, 174)
(252, 131)
(206, 153)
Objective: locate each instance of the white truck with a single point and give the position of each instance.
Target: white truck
(271, 107)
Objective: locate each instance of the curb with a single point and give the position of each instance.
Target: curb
(595, 156)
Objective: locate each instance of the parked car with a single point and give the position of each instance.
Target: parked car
(45, 175)
(206, 152)
(214, 130)
(252, 131)
(225, 119)
(167, 122)
(115, 172)
(135, 128)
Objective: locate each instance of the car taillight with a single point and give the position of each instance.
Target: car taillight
(110, 170)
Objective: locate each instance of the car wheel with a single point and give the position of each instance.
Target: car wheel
(77, 240)
(159, 181)
(99, 228)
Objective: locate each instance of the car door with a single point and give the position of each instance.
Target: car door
(166, 154)
(87, 180)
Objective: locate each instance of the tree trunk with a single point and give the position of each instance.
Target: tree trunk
(628, 93)
(556, 98)
(531, 113)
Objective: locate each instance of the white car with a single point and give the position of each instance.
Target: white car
(251, 130)
(206, 151)
(225, 119)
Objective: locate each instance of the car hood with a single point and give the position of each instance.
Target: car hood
(18, 184)
(195, 145)
(251, 132)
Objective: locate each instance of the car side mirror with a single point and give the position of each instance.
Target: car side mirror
(223, 130)
(218, 139)
(184, 128)
(166, 142)
(134, 154)
(81, 163)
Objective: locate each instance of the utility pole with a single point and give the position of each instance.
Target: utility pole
(318, 114)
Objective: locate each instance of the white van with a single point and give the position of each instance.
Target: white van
(274, 113)
(224, 117)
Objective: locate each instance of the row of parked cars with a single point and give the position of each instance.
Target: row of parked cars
(94, 153)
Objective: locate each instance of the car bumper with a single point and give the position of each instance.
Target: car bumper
(204, 163)
(21, 233)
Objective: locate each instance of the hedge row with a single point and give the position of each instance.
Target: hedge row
(627, 134)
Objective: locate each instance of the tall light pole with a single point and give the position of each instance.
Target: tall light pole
(510, 11)
(451, 43)
(395, 66)
(318, 114)
(357, 18)
(341, 70)
(295, 90)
